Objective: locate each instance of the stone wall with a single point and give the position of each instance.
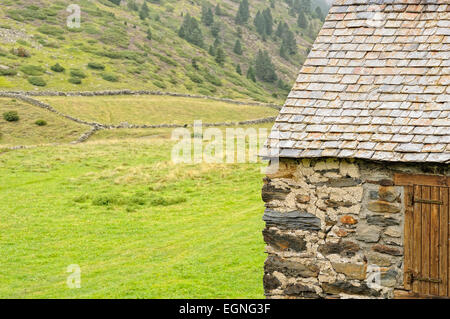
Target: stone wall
(333, 225)
(28, 99)
(141, 92)
(99, 126)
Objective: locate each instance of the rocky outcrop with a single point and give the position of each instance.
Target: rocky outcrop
(12, 35)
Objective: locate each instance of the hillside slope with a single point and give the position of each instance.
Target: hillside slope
(129, 47)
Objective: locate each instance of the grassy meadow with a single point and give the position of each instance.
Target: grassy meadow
(155, 109)
(26, 132)
(138, 225)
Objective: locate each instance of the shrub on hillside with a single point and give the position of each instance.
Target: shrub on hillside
(110, 77)
(51, 12)
(77, 73)
(96, 66)
(116, 2)
(37, 81)
(160, 84)
(165, 59)
(40, 123)
(8, 72)
(104, 200)
(116, 36)
(51, 30)
(57, 68)
(195, 78)
(21, 53)
(75, 80)
(11, 116)
(29, 13)
(162, 201)
(34, 70)
(211, 78)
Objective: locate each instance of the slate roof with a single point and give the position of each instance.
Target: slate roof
(375, 85)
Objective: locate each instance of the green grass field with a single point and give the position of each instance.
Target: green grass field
(26, 132)
(138, 225)
(155, 109)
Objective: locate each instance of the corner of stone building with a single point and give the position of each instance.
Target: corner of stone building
(334, 229)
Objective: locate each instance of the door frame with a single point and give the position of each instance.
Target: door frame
(401, 179)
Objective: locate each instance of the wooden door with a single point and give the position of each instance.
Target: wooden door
(426, 240)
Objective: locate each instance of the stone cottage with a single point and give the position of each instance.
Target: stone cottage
(359, 206)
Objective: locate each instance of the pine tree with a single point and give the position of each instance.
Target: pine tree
(306, 6)
(239, 32)
(259, 23)
(264, 22)
(283, 51)
(243, 13)
(251, 74)
(238, 69)
(218, 10)
(132, 6)
(319, 14)
(264, 68)
(238, 47)
(195, 64)
(220, 56)
(280, 29)
(144, 13)
(212, 50)
(268, 21)
(282, 85)
(149, 34)
(207, 16)
(264, 37)
(190, 31)
(289, 42)
(297, 6)
(302, 20)
(217, 43)
(215, 29)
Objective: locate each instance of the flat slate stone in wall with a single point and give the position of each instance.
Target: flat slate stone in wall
(334, 228)
(292, 220)
(283, 241)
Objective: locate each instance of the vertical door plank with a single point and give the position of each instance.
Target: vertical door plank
(425, 270)
(408, 238)
(447, 205)
(443, 241)
(417, 217)
(434, 241)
